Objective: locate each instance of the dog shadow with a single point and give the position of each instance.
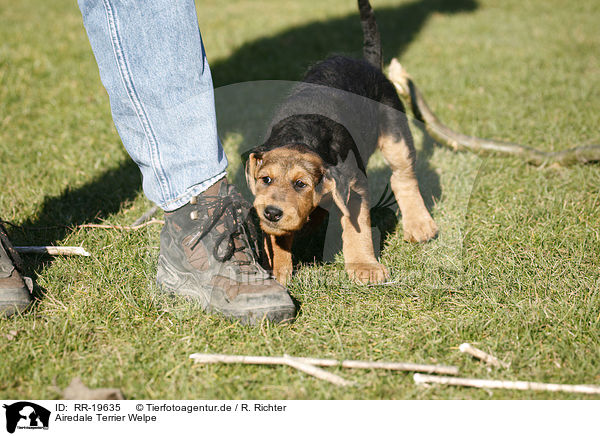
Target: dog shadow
(289, 54)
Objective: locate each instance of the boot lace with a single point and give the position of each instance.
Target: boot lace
(234, 213)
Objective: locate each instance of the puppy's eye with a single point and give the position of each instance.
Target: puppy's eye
(266, 180)
(299, 184)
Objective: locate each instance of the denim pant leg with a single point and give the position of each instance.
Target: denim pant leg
(153, 66)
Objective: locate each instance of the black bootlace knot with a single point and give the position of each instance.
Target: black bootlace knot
(233, 212)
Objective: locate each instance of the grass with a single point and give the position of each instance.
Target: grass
(515, 270)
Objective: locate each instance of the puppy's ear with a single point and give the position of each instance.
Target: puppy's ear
(253, 163)
(337, 184)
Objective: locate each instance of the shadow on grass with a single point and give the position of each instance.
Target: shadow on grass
(59, 215)
(283, 56)
(95, 200)
(288, 55)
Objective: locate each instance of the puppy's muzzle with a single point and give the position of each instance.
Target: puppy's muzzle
(273, 213)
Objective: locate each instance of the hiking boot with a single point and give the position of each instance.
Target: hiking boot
(15, 290)
(209, 252)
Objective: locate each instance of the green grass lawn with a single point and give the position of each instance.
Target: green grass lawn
(515, 271)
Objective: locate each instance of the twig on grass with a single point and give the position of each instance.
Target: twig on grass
(110, 226)
(145, 217)
(80, 251)
(78, 391)
(393, 282)
(54, 251)
(506, 384)
(315, 372)
(458, 142)
(355, 364)
(482, 355)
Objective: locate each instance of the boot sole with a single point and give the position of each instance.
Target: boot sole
(173, 281)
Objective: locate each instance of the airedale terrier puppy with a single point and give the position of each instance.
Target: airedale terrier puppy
(317, 148)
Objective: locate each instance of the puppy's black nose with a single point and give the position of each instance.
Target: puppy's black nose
(273, 213)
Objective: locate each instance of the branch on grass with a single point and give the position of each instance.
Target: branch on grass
(459, 142)
(506, 384)
(80, 251)
(145, 217)
(78, 391)
(54, 251)
(315, 372)
(127, 228)
(482, 355)
(355, 364)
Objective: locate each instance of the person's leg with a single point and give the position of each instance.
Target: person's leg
(154, 68)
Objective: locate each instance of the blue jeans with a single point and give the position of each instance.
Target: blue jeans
(154, 68)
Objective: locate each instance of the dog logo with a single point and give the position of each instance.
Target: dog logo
(26, 415)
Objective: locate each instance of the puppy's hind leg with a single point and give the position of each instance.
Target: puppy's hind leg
(395, 142)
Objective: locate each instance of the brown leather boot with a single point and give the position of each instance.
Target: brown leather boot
(208, 252)
(15, 291)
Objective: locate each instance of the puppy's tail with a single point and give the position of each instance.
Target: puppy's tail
(371, 39)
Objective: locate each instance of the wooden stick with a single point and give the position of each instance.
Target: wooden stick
(506, 384)
(356, 364)
(482, 355)
(54, 251)
(315, 372)
(457, 141)
(110, 226)
(145, 217)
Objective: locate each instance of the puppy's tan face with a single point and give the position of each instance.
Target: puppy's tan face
(287, 188)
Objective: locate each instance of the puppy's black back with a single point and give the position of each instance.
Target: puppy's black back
(356, 76)
(343, 96)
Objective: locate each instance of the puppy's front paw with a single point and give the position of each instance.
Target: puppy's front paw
(419, 228)
(283, 275)
(367, 272)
